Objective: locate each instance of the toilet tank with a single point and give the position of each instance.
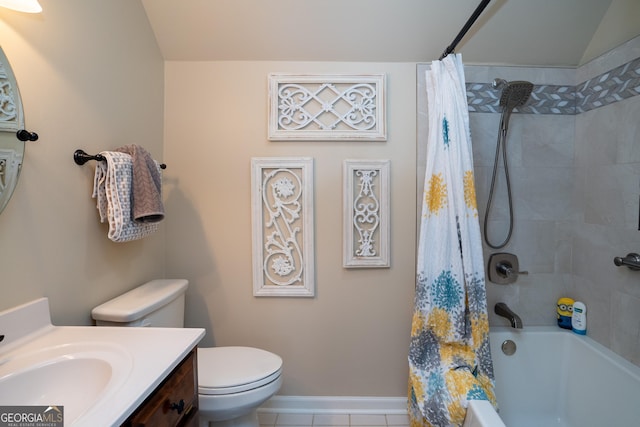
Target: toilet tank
(158, 303)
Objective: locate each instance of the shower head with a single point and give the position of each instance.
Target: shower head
(514, 94)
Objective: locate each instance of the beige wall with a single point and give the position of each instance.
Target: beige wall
(85, 85)
(352, 338)
(91, 77)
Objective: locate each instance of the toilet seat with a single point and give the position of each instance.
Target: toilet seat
(227, 370)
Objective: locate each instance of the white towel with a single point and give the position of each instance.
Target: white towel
(112, 189)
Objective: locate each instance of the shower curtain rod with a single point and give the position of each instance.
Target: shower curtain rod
(466, 27)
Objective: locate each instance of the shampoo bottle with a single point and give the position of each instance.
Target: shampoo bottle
(579, 318)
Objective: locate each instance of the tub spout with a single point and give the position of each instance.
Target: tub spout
(501, 309)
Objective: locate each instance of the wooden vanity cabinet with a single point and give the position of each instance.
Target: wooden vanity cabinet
(174, 402)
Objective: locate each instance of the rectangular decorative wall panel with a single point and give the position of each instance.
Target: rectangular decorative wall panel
(327, 107)
(366, 213)
(282, 216)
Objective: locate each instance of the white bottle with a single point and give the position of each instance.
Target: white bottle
(579, 318)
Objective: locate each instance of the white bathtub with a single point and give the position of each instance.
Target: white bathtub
(558, 378)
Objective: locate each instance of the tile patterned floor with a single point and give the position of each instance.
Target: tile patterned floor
(332, 420)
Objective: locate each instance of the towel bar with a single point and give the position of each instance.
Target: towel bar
(80, 157)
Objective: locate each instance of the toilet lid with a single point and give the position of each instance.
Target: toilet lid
(224, 370)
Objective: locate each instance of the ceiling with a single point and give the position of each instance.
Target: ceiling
(518, 32)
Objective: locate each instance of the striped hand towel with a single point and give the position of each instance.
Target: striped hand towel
(112, 189)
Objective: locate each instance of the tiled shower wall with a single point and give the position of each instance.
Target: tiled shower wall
(574, 163)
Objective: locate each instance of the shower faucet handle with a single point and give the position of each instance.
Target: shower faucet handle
(504, 268)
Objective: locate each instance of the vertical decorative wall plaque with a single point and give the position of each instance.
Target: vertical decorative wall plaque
(366, 213)
(327, 107)
(282, 215)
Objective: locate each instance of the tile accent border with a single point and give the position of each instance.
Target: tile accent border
(615, 85)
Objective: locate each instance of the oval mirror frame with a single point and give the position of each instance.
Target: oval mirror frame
(11, 121)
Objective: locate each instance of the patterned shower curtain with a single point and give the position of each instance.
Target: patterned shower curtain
(449, 355)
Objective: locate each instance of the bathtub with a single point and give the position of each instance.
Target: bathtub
(558, 378)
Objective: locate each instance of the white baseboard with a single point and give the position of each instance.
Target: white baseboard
(335, 405)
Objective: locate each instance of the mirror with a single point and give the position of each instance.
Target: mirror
(11, 121)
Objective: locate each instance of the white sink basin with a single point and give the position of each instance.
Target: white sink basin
(75, 376)
(97, 375)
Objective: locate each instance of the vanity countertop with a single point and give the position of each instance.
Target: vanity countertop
(120, 366)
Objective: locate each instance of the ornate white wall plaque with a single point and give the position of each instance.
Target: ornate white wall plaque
(327, 107)
(10, 161)
(11, 115)
(282, 215)
(366, 213)
(11, 120)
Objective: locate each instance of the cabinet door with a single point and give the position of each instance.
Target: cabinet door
(174, 402)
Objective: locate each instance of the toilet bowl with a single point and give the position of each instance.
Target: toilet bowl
(232, 381)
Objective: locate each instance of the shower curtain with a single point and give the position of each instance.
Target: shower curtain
(449, 355)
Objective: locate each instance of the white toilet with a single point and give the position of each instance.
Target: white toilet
(232, 381)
